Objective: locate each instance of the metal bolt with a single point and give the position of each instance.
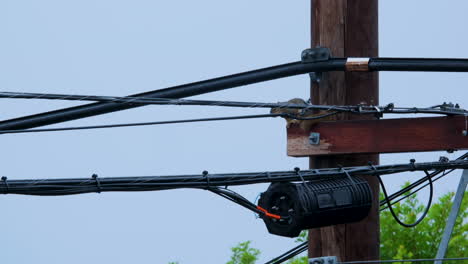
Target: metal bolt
(314, 138)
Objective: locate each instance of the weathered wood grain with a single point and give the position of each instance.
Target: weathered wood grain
(380, 136)
(348, 28)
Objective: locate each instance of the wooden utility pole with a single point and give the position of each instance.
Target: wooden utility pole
(348, 28)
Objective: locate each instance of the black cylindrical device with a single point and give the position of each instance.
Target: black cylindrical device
(314, 204)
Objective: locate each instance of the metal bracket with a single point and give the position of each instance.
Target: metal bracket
(314, 55)
(314, 138)
(324, 260)
(452, 217)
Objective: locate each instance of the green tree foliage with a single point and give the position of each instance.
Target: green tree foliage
(244, 254)
(422, 241)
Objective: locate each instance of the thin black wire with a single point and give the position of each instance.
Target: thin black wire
(428, 206)
(289, 254)
(411, 193)
(37, 130)
(420, 181)
(446, 109)
(236, 198)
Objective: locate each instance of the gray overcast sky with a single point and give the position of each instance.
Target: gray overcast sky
(125, 47)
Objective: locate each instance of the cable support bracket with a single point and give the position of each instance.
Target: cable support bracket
(315, 55)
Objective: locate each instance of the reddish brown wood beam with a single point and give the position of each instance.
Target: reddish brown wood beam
(380, 136)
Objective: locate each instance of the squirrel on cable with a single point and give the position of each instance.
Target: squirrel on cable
(303, 124)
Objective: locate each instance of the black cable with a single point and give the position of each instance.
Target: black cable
(431, 191)
(418, 64)
(49, 187)
(445, 109)
(411, 193)
(236, 80)
(16, 131)
(418, 182)
(180, 91)
(57, 129)
(236, 198)
(289, 254)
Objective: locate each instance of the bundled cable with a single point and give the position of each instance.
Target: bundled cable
(154, 183)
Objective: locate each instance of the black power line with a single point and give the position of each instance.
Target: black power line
(180, 91)
(205, 181)
(307, 65)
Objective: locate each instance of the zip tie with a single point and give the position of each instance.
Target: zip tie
(412, 161)
(205, 174)
(98, 183)
(372, 166)
(349, 176)
(268, 174)
(4, 179)
(298, 172)
(359, 108)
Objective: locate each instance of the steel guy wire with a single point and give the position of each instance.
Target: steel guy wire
(36, 130)
(444, 109)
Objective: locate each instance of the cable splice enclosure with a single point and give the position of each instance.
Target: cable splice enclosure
(314, 204)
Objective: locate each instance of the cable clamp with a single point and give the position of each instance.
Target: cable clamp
(205, 174)
(4, 179)
(315, 55)
(98, 182)
(324, 260)
(443, 159)
(378, 113)
(389, 107)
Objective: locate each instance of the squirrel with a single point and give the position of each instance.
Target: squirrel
(303, 124)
